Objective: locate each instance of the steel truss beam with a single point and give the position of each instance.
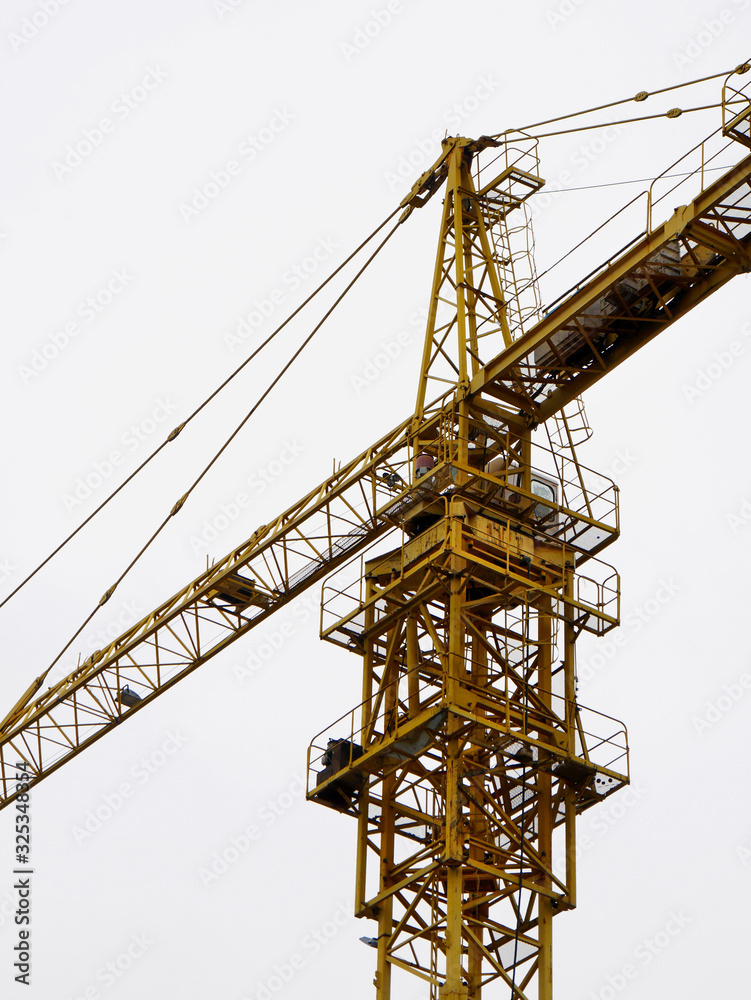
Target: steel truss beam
(468, 751)
(594, 329)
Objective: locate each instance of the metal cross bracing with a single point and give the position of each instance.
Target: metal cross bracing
(461, 562)
(476, 297)
(279, 561)
(360, 502)
(469, 752)
(627, 301)
(465, 755)
(469, 748)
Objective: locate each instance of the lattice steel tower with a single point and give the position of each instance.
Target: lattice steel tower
(476, 536)
(469, 749)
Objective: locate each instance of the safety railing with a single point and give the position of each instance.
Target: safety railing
(584, 513)
(736, 109)
(570, 427)
(596, 605)
(540, 721)
(528, 570)
(690, 174)
(396, 726)
(601, 740)
(383, 721)
(511, 174)
(518, 566)
(680, 182)
(346, 607)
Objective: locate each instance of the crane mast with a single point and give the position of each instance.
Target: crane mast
(469, 748)
(460, 560)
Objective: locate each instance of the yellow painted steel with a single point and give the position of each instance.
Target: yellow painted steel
(469, 756)
(471, 751)
(466, 754)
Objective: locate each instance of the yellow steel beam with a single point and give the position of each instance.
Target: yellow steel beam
(288, 556)
(691, 222)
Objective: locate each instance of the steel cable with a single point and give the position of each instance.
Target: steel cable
(641, 96)
(178, 506)
(173, 434)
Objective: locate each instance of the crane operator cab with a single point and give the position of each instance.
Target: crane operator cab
(545, 489)
(510, 498)
(541, 485)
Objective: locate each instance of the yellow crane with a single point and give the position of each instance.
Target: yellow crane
(460, 559)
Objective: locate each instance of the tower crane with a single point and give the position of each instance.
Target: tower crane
(459, 557)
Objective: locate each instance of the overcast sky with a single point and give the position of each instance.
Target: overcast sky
(176, 178)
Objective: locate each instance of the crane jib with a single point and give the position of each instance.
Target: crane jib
(628, 301)
(622, 306)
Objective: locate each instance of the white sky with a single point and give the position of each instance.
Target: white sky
(167, 94)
